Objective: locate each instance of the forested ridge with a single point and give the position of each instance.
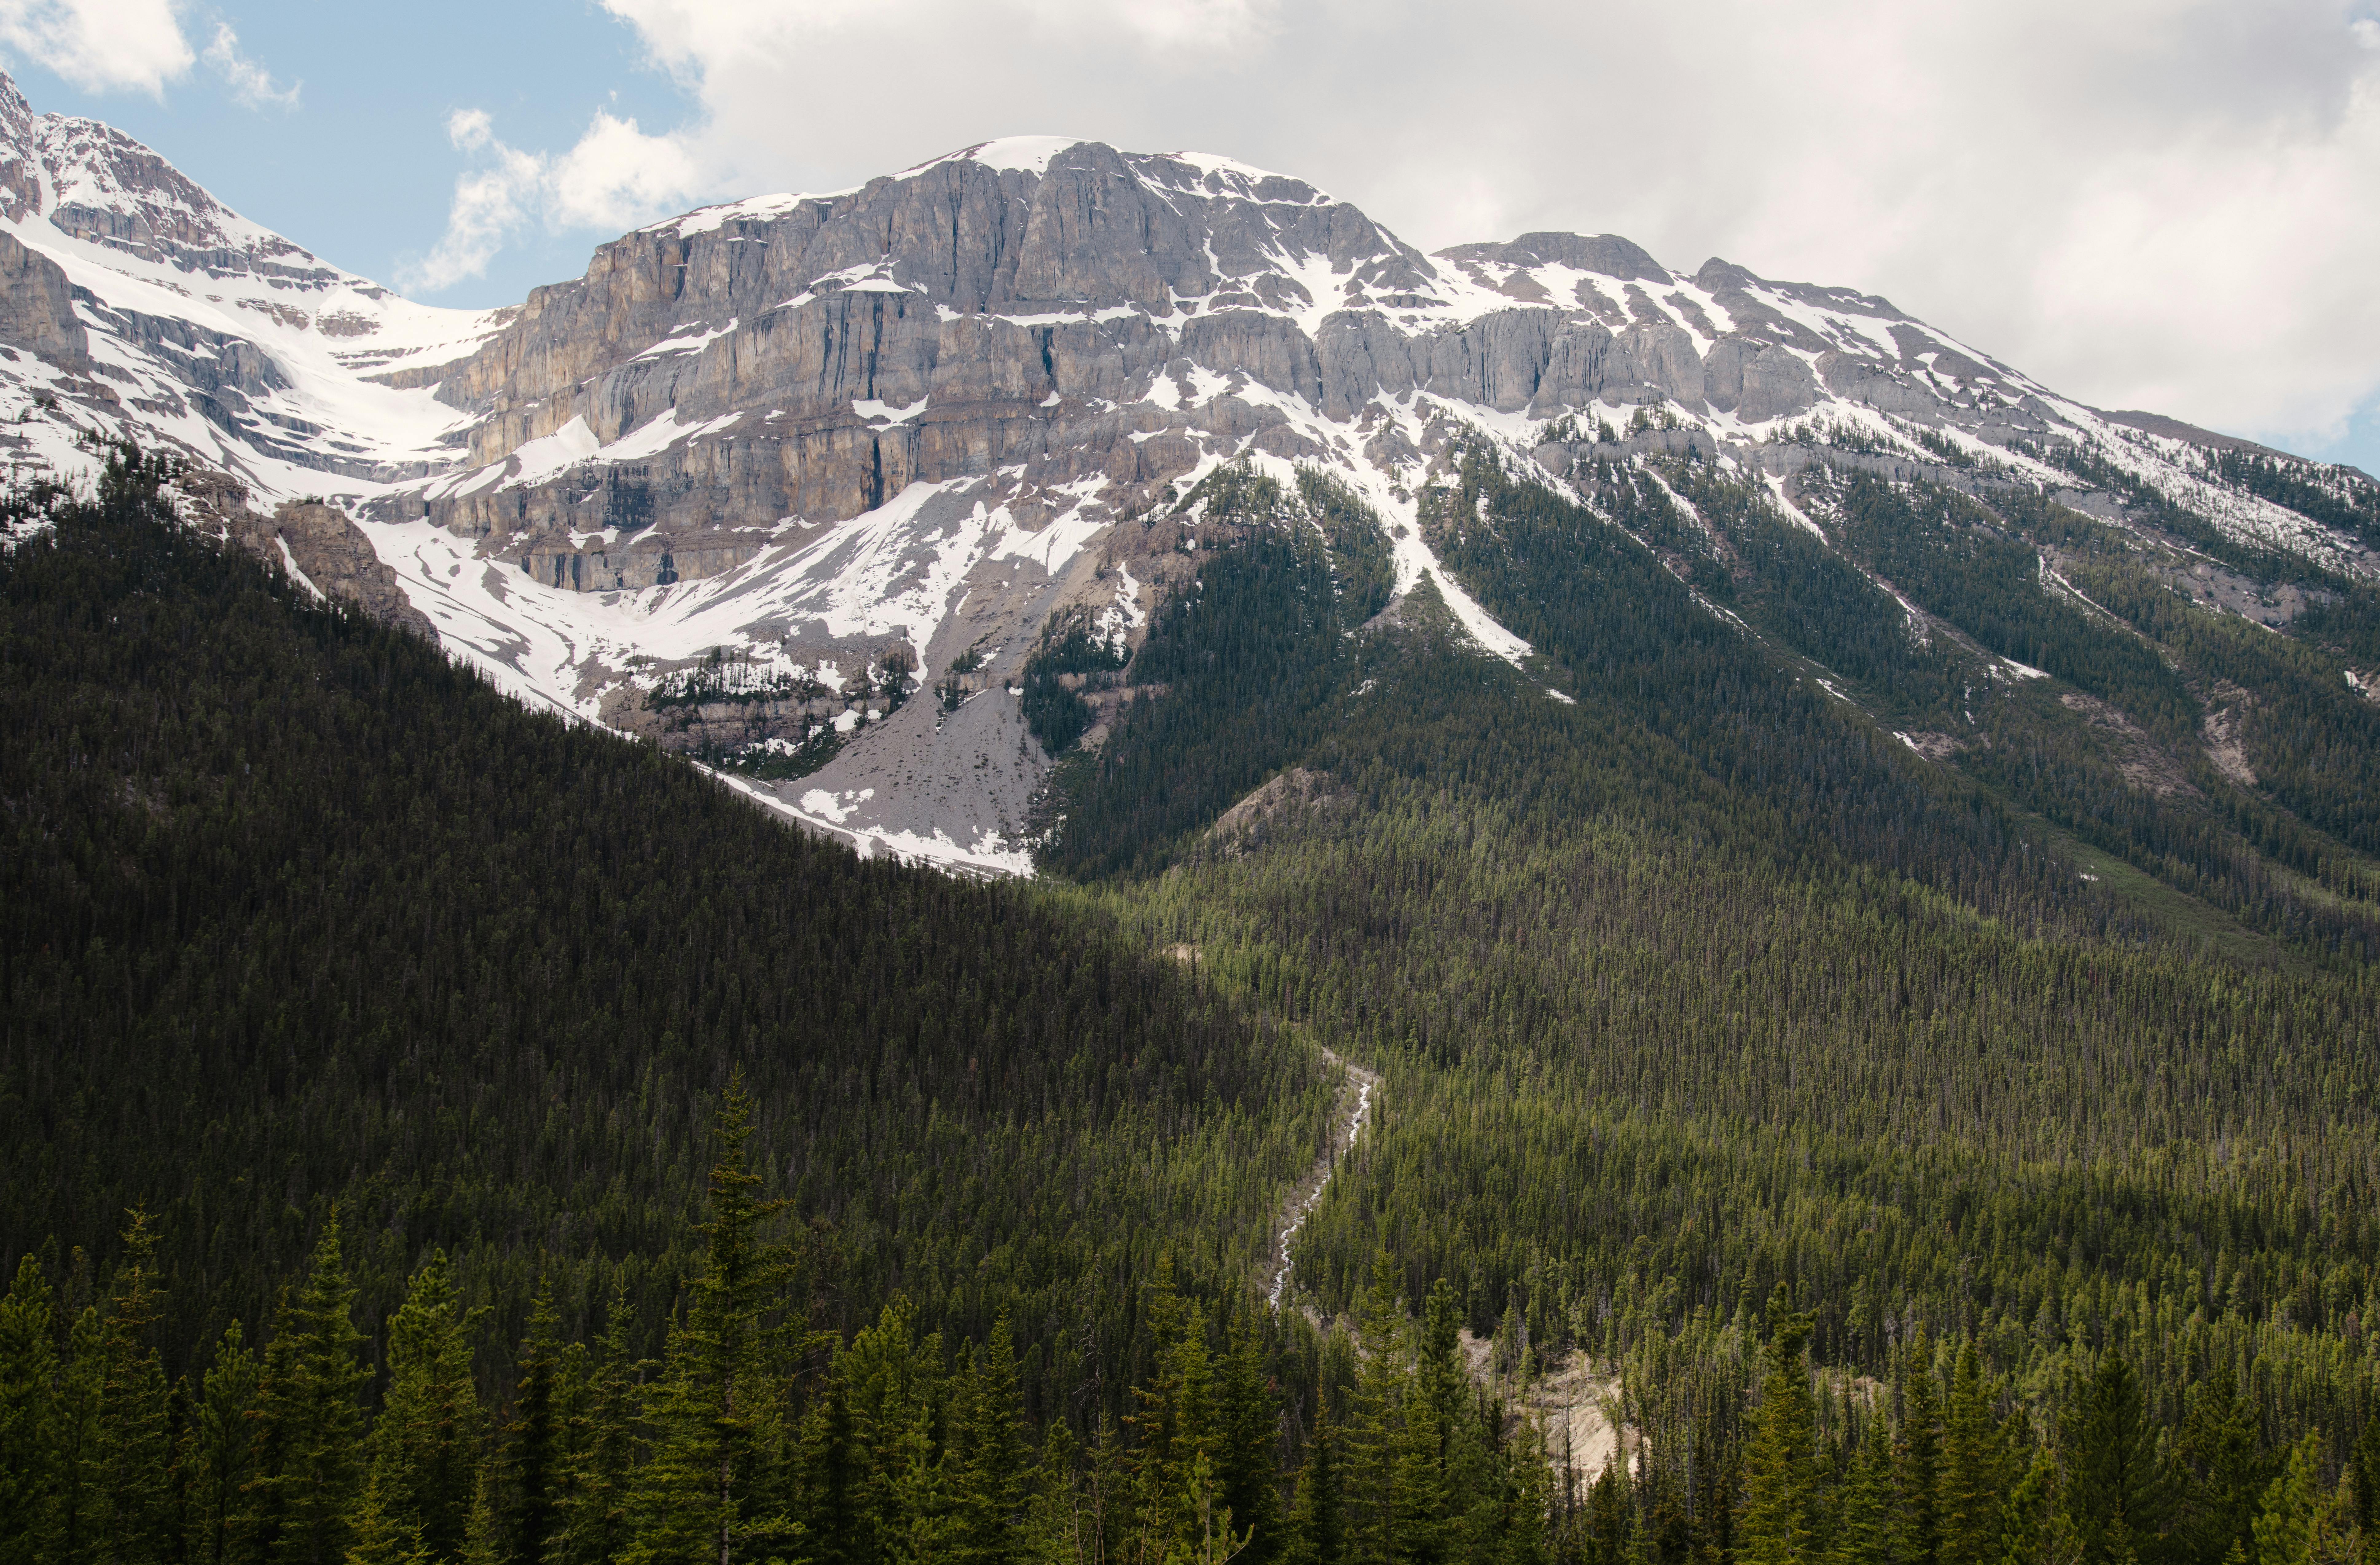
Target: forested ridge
(595, 1172)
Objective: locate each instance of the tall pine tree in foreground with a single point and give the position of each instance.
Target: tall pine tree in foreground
(704, 1492)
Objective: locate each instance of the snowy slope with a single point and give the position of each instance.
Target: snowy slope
(813, 437)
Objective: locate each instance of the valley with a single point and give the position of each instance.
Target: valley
(1068, 858)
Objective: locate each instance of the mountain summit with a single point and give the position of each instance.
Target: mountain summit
(771, 467)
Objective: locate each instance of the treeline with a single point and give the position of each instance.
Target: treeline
(762, 1432)
(1944, 1465)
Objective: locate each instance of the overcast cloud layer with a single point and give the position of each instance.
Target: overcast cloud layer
(2163, 205)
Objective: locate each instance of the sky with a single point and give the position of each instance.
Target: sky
(2162, 204)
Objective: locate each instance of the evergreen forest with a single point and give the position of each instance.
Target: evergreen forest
(1879, 1008)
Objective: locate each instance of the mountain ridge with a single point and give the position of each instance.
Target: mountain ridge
(845, 447)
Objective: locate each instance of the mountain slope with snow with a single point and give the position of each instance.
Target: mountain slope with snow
(769, 468)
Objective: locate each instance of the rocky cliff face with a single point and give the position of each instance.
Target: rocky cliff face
(824, 439)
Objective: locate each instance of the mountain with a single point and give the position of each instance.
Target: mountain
(768, 461)
(1840, 888)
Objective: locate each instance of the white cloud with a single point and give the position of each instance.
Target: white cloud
(251, 85)
(614, 177)
(2143, 202)
(100, 45)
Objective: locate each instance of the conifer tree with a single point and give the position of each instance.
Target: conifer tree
(2284, 1528)
(29, 1446)
(591, 1512)
(1381, 1384)
(2115, 1500)
(1610, 1528)
(990, 1488)
(136, 1510)
(426, 1445)
(1973, 1477)
(1424, 1502)
(2364, 1476)
(81, 1468)
(215, 1449)
(1248, 1464)
(535, 1453)
(702, 1492)
(1778, 1519)
(1316, 1531)
(2033, 1521)
(2219, 1473)
(1178, 1438)
(1917, 1456)
(386, 1527)
(308, 1466)
(1864, 1519)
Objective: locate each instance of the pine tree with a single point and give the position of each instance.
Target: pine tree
(1248, 1464)
(1778, 1521)
(136, 1524)
(591, 1513)
(990, 1488)
(702, 1492)
(1177, 1432)
(1423, 1505)
(1918, 1455)
(2284, 1528)
(2221, 1474)
(386, 1527)
(1610, 1528)
(307, 1462)
(216, 1451)
(2364, 1475)
(1380, 1385)
(426, 1445)
(1317, 1530)
(82, 1469)
(1973, 1477)
(1864, 1519)
(2034, 1528)
(2115, 1500)
(535, 1457)
(29, 1443)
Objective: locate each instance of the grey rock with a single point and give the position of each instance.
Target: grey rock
(1758, 381)
(1607, 255)
(37, 305)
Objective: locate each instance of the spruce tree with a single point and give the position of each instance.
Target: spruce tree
(1917, 1457)
(2033, 1520)
(2115, 1500)
(1610, 1526)
(702, 1492)
(535, 1453)
(1778, 1524)
(81, 1468)
(2284, 1528)
(591, 1512)
(1317, 1530)
(1248, 1464)
(308, 1466)
(989, 1434)
(1865, 1524)
(1380, 1385)
(427, 1444)
(136, 1521)
(1974, 1476)
(2220, 1474)
(29, 1444)
(216, 1451)
(2363, 1474)
(1424, 1503)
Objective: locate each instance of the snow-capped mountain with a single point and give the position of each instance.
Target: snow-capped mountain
(766, 459)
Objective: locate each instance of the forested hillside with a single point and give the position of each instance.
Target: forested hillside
(1942, 1163)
